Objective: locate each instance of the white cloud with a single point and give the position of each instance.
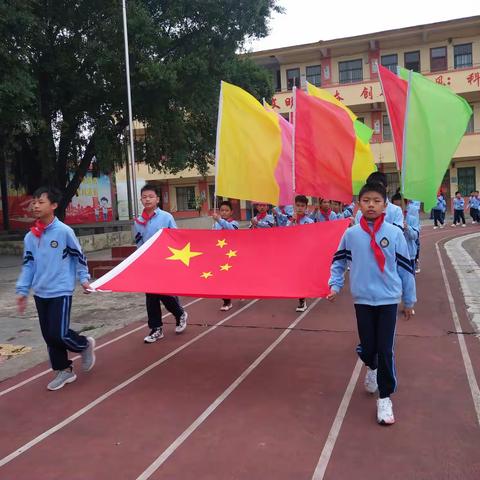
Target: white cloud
(306, 21)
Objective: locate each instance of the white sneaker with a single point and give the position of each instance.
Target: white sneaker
(474, 222)
(417, 270)
(385, 412)
(454, 224)
(62, 378)
(370, 382)
(435, 228)
(442, 226)
(154, 335)
(182, 323)
(463, 225)
(302, 306)
(88, 355)
(226, 307)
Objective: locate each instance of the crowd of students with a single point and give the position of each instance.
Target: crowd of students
(380, 250)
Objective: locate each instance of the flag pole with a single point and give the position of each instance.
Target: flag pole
(293, 136)
(404, 144)
(133, 186)
(217, 145)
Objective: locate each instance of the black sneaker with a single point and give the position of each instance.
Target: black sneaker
(154, 335)
(302, 306)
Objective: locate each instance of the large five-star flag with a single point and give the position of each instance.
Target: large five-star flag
(289, 262)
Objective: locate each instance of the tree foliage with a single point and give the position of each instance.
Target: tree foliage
(63, 87)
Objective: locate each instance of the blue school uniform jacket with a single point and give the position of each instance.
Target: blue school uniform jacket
(412, 234)
(222, 224)
(52, 262)
(368, 284)
(283, 218)
(266, 222)
(441, 204)
(305, 220)
(318, 217)
(458, 203)
(160, 219)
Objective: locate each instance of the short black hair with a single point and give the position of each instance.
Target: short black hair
(373, 187)
(149, 187)
(301, 199)
(104, 198)
(397, 196)
(227, 203)
(456, 193)
(378, 177)
(53, 194)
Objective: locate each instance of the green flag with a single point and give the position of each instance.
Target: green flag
(436, 120)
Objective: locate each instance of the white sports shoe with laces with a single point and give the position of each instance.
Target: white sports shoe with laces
(385, 411)
(370, 382)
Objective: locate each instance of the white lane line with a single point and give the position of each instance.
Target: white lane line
(113, 340)
(472, 381)
(322, 464)
(116, 389)
(211, 408)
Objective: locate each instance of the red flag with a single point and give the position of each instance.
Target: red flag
(289, 262)
(324, 149)
(395, 93)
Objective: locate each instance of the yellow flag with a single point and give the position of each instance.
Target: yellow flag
(249, 145)
(363, 162)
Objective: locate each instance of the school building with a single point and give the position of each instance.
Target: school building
(447, 52)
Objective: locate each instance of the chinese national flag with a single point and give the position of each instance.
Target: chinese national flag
(291, 262)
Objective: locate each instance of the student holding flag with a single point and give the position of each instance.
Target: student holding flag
(262, 219)
(381, 275)
(52, 260)
(146, 225)
(300, 218)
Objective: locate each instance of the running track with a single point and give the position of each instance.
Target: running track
(261, 392)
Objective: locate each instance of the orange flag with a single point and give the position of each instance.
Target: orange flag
(231, 264)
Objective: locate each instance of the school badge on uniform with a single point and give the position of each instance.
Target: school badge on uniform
(384, 243)
(54, 244)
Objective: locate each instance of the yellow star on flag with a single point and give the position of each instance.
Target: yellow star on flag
(221, 243)
(225, 267)
(206, 274)
(184, 255)
(231, 253)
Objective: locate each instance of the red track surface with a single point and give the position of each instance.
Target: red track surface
(275, 423)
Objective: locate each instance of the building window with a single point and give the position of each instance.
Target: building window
(277, 80)
(471, 125)
(393, 184)
(412, 61)
(438, 59)
(390, 62)
(387, 131)
(466, 180)
(293, 78)
(350, 71)
(211, 197)
(462, 55)
(314, 75)
(185, 198)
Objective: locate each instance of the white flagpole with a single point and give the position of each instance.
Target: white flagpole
(293, 136)
(217, 145)
(407, 109)
(133, 186)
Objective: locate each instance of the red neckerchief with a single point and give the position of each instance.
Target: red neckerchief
(230, 219)
(299, 218)
(261, 216)
(282, 210)
(377, 251)
(38, 228)
(146, 218)
(326, 215)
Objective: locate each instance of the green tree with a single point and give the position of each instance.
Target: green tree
(62, 84)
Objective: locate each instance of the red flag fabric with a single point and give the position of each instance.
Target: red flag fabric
(395, 93)
(289, 262)
(324, 149)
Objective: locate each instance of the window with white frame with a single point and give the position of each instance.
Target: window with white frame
(185, 198)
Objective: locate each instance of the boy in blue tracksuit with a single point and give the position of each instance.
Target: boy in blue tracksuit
(393, 213)
(263, 219)
(458, 210)
(146, 225)
(381, 275)
(474, 204)
(52, 260)
(300, 218)
(324, 212)
(225, 221)
(282, 214)
(439, 211)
